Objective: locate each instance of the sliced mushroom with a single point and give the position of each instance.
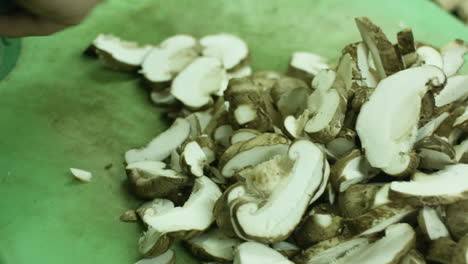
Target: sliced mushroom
(287, 249)
(193, 159)
(119, 54)
(213, 245)
(360, 54)
(201, 79)
(164, 62)
(462, 121)
(357, 199)
(198, 208)
(241, 72)
(435, 153)
(382, 196)
(253, 252)
(460, 252)
(249, 218)
(222, 135)
(430, 127)
(397, 242)
(294, 127)
(252, 152)
(162, 146)
(387, 123)
(243, 134)
(317, 227)
(229, 49)
(443, 187)
(429, 56)
(290, 95)
(343, 144)
(452, 54)
(406, 47)
(384, 56)
(151, 179)
(349, 78)
(441, 250)
(166, 258)
(329, 250)
(457, 219)
(461, 152)
(351, 169)
(81, 175)
(454, 90)
(431, 224)
(163, 98)
(380, 218)
(305, 65)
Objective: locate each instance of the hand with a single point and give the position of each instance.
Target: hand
(44, 17)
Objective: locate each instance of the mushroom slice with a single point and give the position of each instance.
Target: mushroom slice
(406, 47)
(222, 135)
(194, 159)
(429, 56)
(360, 55)
(457, 219)
(198, 208)
(305, 65)
(397, 242)
(444, 187)
(290, 95)
(452, 54)
(435, 153)
(343, 144)
(351, 169)
(287, 249)
(461, 152)
(119, 54)
(431, 225)
(380, 218)
(82, 175)
(413, 257)
(162, 146)
(328, 109)
(163, 98)
(213, 245)
(268, 218)
(294, 127)
(382, 196)
(460, 252)
(357, 199)
(240, 72)
(196, 83)
(430, 127)
(329, 250)
(167, 60)
(243, 134)
(253, 252)
(462, 120)
(441, 250)
(318, 227)
(229, 49)
(151, 179)
(454, 90)
(349, 78)
(384, 56)
(166, 258)
(387, 123)
(252, 152)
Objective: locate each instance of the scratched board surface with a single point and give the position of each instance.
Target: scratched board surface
(59, 109)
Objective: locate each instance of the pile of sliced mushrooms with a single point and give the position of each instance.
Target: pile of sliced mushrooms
(361, 162)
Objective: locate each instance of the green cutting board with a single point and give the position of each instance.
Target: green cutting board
(59, 109)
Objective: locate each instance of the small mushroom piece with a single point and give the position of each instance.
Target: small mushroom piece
(407, 47)
(431, 224)
(243, 134)
(343, 144)
(453, 91)
(305, 65)
(435, 153)
(351, 169)
(387, 123)
(198, 81)
(294, 127)
(151, 179)
(129, 216)
(213, 245)
(357, 199)
(443, 187)
(457, 219)
(222, 134)
(253, 252)
(228, 49)
(380, 218)
(441, 250)
(452, 54)
(162, 146)
(119, 54)
(163, 98)
(252, 152)
(429, 56)
(302, 180)
(384, 56)
(397, 242)
(329, 250)
(82, 175)
(290, 96)
(461, 152)
(166, 258)
(317, 227)
(164, 62)
(287, 249)
(430, 127)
